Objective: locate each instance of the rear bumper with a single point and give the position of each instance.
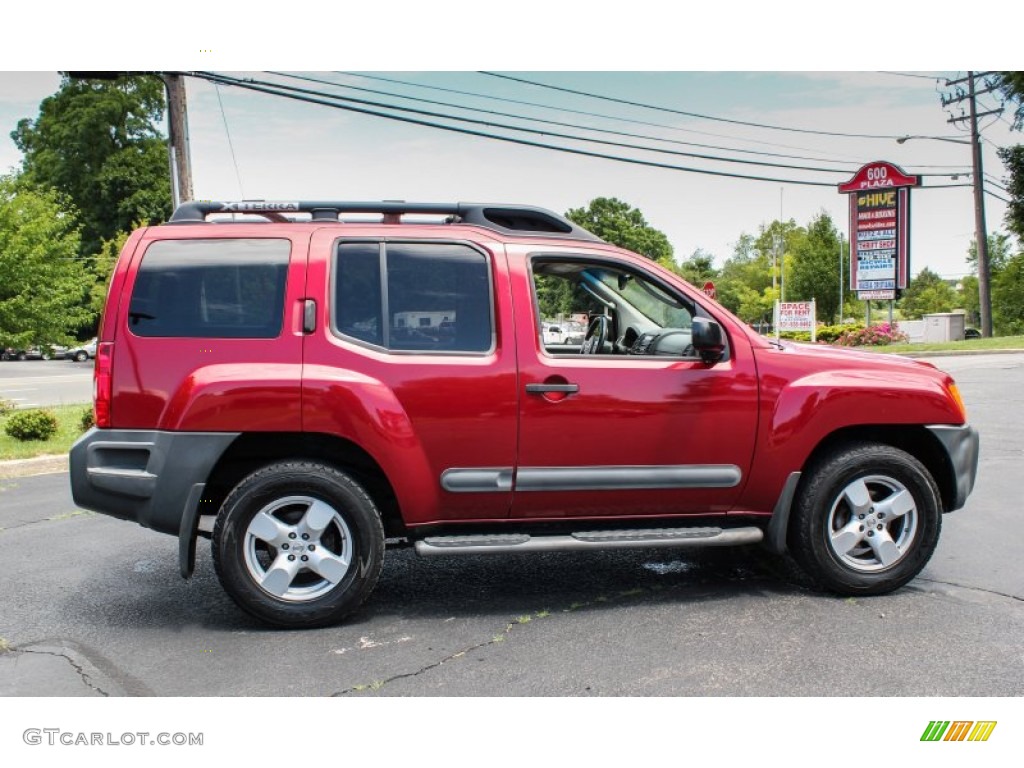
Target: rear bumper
(145, 476)
(961, 444)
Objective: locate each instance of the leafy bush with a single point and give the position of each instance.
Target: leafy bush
(88, 419)
(826, 334)
(872, 336)
(831, 333)
(32, 425)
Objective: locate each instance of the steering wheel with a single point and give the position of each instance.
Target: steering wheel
(597, 335)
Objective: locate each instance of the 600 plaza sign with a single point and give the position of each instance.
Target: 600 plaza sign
(879, 229)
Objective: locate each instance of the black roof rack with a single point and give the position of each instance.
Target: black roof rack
(509, 219)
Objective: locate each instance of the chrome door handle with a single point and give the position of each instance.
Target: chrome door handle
(538, 389)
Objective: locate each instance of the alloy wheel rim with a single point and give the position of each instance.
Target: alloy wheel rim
(297, 548)
(872, 524)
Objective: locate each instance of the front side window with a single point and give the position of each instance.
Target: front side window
(221, 288)
(414, 297)
(598, 307)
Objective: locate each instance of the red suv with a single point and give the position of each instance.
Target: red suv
(305, 388)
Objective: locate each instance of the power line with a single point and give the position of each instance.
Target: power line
(997, 197)
(689, 114)
(648, 137)
(912, 74)
(297, 95)
(554, 134)
(993, 181)
(560, 108)
(275, 91)
(853, 163)
(231, 145)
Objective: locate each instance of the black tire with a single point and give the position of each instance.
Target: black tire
(81, 356)
(268, 528)
(22, 356)
(854, 506)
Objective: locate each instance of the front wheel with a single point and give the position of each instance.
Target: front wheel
(81, 357)
(298, 544)
(867, 520)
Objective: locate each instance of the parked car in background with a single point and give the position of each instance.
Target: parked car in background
(971, 333)
(33, 353)
(86, 351)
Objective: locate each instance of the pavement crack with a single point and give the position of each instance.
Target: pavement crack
(376, 685)
(55, 518)
(973, 589)
(74, 665)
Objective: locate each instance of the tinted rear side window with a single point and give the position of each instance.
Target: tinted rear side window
(414, 297)
(231, 289)
(358, 304)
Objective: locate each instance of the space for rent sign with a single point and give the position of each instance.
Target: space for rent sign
(879, 196)
(795, 316)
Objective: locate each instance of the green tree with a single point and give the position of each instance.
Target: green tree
(1013, 161)
(926, 294)
(744, 285)
(97, 142)
(699, 268)
(816, 264)
(970, 299)
(617, 222)
(1012, 86)
(1008, 297)
(45, 283)
(1000, 249)
(777, 241)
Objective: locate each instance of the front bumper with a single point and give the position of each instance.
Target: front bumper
(961, 444)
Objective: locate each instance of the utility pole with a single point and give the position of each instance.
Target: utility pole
(980, 233)
(177, 120)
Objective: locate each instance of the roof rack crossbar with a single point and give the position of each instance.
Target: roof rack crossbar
(510, 219)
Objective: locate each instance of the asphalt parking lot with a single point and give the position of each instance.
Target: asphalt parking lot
(94, 607)
(32, 383)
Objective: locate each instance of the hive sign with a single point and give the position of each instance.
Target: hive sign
(879, 229)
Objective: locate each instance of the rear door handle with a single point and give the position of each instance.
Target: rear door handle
(539, 389)
(309, 316)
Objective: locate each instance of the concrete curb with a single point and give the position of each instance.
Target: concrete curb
(40, 465)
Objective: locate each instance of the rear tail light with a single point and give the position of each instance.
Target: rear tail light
(103, 381)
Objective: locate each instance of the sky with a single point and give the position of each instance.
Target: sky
(251, 145)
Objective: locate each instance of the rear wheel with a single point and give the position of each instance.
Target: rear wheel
(298, 544)
(867, 520)
(81, 356)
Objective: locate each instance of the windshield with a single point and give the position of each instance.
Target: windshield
(646, 297)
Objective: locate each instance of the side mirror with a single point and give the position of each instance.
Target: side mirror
(707, 339)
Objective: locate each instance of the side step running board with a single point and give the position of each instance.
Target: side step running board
(644, 538)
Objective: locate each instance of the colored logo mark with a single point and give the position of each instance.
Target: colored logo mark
(958, 730)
